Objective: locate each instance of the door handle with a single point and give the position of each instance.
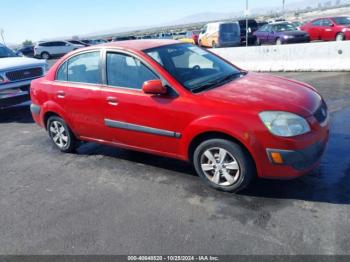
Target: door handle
(112, 101)
(61, 94)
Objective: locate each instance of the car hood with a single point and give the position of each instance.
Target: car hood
(19, 62)
(263, 92)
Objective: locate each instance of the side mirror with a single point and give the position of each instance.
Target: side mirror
(154, 87)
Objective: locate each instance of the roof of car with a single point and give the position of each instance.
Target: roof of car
(280, 23)
(141, 44)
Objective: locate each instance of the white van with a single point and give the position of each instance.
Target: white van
(220, 34)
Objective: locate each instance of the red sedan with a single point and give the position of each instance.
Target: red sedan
(178, 100)
(328, 29)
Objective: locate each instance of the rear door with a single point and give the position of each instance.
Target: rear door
(77, 91)
(315, 30)
(131, 117)
(263, 34)
(271, 39)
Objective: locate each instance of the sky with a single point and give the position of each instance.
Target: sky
(40, 19)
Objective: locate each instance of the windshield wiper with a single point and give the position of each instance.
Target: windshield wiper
(216, 82)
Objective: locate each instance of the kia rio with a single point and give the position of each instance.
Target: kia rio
(177, 100)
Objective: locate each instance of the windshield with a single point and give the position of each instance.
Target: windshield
(284, 28)
(342, 20)
(6, 52)
(195, 68)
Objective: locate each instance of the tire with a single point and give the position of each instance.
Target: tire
(257, 42)
(45, 55)
(232, 173)
(340, 37)
(61, 135)
(214, 45)
(279, 41)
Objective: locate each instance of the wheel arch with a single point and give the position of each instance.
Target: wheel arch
(47, 115)
(200, 138)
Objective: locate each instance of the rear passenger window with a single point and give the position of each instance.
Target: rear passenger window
(62, 73)
(127, 71)
(84, 68)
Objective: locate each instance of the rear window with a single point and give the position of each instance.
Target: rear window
(82, 68)
(229, 28)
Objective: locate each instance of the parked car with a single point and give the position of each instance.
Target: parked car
(280, 33)
(27, 51)
(191, 37)
(220, 34)
(328, 29)
(252, 27)
(297, 24)
(98, 41)
(77, 42)
(47, 50)
(16, 74)
(123, 38)
(87, 41)
(177, 100)
(261, 24)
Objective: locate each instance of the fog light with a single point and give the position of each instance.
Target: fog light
(277, 158)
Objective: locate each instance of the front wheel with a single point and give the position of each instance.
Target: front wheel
(224, 165)
(340, 37)
(279, 41)
(214, 45)
(61, 134)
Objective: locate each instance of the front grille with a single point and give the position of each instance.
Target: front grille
(322, 113)
(24, 74)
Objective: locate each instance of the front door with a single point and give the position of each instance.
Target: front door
(131, 117)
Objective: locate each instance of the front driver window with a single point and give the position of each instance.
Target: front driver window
(127, 71)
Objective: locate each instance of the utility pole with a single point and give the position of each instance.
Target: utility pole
(246, 21)
(2, 35)
(284, 6)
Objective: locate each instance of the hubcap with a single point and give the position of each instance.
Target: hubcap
(59, 134)
(220, 167)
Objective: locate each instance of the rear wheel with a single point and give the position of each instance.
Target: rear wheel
(279, 41)
(224, 165)
(61, 134)
(45, 55)
(257, 42)
(340, 37)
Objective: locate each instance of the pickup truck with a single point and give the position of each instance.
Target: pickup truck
(16, 73)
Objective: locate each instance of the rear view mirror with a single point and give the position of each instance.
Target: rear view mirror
(154, 87)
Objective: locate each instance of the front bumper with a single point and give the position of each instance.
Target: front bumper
(14, 94)
(293, 157)
(296, 40)
(299, 159)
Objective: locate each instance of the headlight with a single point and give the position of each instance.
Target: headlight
(288, 36)
(284, 124)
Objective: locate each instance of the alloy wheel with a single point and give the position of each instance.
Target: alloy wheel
(59, 134)
(220, 167)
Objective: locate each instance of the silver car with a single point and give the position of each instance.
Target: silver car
(16, 73)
